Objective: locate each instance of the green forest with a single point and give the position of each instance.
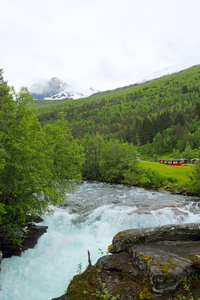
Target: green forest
(159, 116)
(47, 147)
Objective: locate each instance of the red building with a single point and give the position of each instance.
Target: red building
(173, 161)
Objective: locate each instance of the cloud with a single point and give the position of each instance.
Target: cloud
(96, 42)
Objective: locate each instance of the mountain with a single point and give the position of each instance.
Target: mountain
(166, 71)
(164, 112)
(56, 88)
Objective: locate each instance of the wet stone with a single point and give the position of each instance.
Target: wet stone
(165, 269)
(166, 255)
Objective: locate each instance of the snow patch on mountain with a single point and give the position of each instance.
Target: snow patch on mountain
(166, 71)
(55, 88)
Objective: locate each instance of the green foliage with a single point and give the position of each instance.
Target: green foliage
(2, 158)
(164, 112)
(188, 153)
(79, 269)
(114, 160)
(195, 179)
(161, 116)
(193, 276)
(133, 174)
(186, 287)
(105, 295)
(155, 157)
(67, 155)
(178, 175)
(151, 178)
(176, 153)
(100, 251)
(83, 286)
(146, 177)
(2, 212)
(145, 294)
(92, 149)
(181, 297)
(38, 165)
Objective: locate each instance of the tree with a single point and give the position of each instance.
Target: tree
(38, 165)
(188, 153)
(185, 89)
(194, 184)
(176, 153)
(114, 160)
(92, 145)
(67, 155)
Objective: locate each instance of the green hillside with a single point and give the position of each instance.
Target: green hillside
(97, 138)
(160, 115)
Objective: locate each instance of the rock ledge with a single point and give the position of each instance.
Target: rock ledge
(147, 263)
(166, 255)
(31, 233)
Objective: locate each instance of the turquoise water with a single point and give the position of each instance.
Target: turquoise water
(93, 215)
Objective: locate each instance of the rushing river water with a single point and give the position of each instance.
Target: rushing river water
(93, 215)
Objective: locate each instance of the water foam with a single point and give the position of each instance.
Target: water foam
(95, 213)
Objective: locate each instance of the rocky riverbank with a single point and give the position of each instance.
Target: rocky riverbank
(147, 263)
(31, 234)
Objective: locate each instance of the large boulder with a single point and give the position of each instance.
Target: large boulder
(148, 263)
(31, 234)
(180, 232)
(166, 255)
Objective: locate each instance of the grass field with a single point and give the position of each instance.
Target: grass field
(180, 175)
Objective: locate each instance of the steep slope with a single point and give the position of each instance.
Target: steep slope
(164, 111)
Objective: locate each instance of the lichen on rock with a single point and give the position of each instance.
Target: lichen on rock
(148, 263)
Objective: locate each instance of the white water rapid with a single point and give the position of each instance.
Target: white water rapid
(93, 215)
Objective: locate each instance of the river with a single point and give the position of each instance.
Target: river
(92, 216)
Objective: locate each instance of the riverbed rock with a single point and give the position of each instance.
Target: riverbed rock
(63, 297)
(180, 232)
(148, 263)
(164, 269)
(31, 232)
(166, 255)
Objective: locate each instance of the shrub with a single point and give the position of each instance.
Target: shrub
(151, 178)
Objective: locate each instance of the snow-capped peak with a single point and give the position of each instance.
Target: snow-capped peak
(56, 88)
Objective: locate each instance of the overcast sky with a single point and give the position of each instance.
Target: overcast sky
(100, 43)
